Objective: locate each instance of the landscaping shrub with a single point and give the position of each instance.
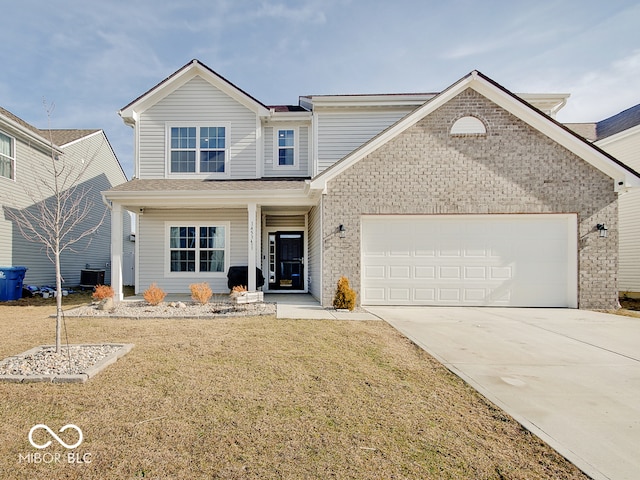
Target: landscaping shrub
(345, 296)
(200, 292)
(103, 291)
(154, 294)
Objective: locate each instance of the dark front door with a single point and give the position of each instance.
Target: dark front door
(289, 261)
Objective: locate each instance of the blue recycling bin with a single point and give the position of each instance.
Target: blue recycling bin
(11, 279)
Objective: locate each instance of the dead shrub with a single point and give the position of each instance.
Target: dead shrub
(345, 296)
(103, 291)
(154, 294)
(200, 292)
(239, 289)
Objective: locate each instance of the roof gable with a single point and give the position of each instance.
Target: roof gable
(131, 112)
(623, 176)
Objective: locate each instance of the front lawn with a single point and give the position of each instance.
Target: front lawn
(258, 398)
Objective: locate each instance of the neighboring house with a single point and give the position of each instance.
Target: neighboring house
(472, 196)
(25, 156)
(619, 135)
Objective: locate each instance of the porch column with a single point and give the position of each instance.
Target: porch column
(253, 247)
(116, 251)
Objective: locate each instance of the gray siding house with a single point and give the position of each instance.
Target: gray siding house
(471, 196)
(25, 153)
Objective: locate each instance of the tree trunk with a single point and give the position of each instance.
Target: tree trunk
(58, 302)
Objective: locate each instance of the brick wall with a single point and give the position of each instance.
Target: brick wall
(511, 169)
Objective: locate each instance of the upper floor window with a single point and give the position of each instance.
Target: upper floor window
(7, 156)
(198, 149)
(286, 148)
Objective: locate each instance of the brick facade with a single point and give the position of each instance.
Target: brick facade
(512, 169)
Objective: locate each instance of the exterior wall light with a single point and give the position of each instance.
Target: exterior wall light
(602, 228)
(342, 231)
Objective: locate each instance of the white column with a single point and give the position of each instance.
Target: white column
(116, 251)
(253, 247)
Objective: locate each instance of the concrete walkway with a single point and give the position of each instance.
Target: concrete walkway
(304, 306)
(572, 377)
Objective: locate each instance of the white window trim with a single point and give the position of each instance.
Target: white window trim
(13, 159)
(276, 148)
(167, 250)
(197, 174)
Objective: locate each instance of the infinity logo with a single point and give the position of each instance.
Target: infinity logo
(56, 437)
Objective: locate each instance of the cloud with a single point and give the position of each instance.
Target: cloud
(598, 94)
(308, 13)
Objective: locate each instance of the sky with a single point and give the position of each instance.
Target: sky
(90, 59)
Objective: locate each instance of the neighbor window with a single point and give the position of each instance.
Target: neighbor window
(7, 156)
(197, 248)
(286, 148)
(198, 149)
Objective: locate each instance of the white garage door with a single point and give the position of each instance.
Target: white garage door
(473, 260)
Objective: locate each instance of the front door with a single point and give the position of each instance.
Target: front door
(287, 269)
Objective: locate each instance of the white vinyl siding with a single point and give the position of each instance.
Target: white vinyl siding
(625, 146)
(152, 247)
(314, 257)
(470, 260)
(198, 102)
(339, 133)
(301, 168)
(103, 173)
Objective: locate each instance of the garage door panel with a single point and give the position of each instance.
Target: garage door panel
(501, 260)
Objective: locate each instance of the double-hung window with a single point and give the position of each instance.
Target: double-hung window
(286, 148)
(7, 156)
(198, 149)
(198, 248)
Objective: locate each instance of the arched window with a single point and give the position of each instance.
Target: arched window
(468, 126)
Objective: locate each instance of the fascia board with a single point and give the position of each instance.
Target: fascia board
(351, 101)
(280, 117)
(193, 199)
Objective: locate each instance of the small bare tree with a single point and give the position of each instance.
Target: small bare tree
(61, 204)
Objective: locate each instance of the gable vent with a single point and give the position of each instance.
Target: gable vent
(468, 126)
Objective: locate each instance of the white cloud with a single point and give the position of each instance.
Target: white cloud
(598, 94)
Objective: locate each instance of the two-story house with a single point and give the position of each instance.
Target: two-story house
(25, 175)
(470, 196)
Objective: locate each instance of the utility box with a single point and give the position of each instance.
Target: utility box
(11, 280)
(89, 278)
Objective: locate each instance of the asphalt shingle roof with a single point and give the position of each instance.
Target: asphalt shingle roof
(624, 120)
(163, 185)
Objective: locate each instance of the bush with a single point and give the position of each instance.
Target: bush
(103, 291)
(237, 290)
(345, 296)
(154, 294)
(200, 292)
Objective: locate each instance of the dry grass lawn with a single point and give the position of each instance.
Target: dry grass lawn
(260, 398)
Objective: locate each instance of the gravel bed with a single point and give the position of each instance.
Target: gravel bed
(71, 360)
(141, 309)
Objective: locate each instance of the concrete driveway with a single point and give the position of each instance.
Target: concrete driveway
(572, 377)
